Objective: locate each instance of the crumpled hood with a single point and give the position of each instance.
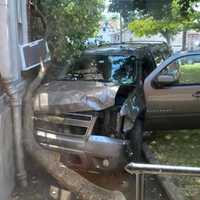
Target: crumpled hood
(74, 96)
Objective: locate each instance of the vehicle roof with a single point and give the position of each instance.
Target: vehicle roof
(115, 49)
(184, 53)
(142, 43)
(136, 48)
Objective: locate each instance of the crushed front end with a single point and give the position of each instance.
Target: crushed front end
(79, 114)
(81, 120)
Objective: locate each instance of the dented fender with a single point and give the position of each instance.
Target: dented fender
(134, 105)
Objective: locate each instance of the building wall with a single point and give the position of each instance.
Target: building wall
(193, 40)
(5, 62)
(13, 32)
(7, 169)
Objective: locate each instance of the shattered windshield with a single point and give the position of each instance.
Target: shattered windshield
(118, 69)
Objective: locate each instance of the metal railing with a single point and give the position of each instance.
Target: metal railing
(140, 170)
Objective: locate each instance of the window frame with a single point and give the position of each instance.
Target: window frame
(179, 58)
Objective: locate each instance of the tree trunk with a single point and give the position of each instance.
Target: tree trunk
(168, 37)
(121, 27)
(184, 40)
(50, 160)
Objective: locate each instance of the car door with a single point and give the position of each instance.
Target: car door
(174, 103)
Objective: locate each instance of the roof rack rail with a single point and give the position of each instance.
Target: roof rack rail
(147, 41)
(133, 42)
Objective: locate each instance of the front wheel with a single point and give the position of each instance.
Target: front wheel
(136, 140)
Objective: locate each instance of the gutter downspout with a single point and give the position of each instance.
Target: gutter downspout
(15, 101)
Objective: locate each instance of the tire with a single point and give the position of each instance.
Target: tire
(136, 141)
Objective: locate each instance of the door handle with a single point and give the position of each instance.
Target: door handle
(196, 94)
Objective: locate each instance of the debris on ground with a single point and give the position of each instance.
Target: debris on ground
(43, 187)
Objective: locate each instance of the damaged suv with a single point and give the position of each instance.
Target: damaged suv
(88, 114)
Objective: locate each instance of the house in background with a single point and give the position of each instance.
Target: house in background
(107, 29)
(192, 39)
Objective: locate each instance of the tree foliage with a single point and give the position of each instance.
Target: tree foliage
(186, 6)
(69, 24)
(151, 7)
(174, 18)
(143, 7)
(149, 26)
(125, 7)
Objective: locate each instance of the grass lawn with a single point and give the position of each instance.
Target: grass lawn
(179, 148)
(190, 73)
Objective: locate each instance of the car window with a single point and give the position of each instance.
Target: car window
(120, 69)
(123, 69)
(160, 53)
(187, 69)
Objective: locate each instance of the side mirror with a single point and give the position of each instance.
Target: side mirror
(166, 80)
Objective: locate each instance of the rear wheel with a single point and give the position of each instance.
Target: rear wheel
(136, 140)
